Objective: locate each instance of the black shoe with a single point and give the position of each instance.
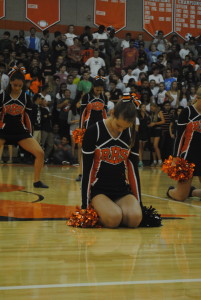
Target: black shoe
(170, 188)
(78, 178)
(191, 190)
(39, 184)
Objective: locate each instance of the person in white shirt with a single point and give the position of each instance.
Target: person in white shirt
(95, 63)
(4, 79)
(126, 42)
(156, 76)
(184, 51)
(100, 34)
(142, 67)
(70, 36)
(129, 76)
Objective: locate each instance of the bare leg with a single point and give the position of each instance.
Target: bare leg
(156, 148)
(181, 192)
(197, 192)
(109, 212)
(2, 142)
(32, 146)
(10, 150)
(132, 213)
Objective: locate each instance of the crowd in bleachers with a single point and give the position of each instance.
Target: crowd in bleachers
(163, 74)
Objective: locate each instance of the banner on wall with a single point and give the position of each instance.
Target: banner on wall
(43, 13)
(2, 9)
(110, 13)
(187, 18)
(158, 15)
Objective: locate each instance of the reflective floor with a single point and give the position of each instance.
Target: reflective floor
(43, 258)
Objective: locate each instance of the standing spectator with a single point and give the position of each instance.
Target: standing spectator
(184, 97)
(32, 41)
(112, 47)
(58, 45)
(157, 119)
(161, 97)
(36, 117)
(144, 120)
(139, 41)
(126, 42)
(47, 139)
(115, 94)
(45, 38)
(95, 63)
(63, 105)
(70, 35)
(85, 85)
(86, 35)
(166, 142)
(5, 42)
(173, 95)
(4, 79)
(130, 55)
(100, 36)
(75, 53)
(154, 89)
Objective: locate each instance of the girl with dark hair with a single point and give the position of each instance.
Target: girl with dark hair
(15, 125)
(109, 156)
(93, 108)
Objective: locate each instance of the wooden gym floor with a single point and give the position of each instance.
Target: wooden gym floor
(42, 258)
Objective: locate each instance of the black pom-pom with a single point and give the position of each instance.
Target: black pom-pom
(150, 217)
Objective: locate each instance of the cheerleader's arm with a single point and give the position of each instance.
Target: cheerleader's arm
(180, 132)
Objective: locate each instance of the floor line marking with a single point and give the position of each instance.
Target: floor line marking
(60, 177)
(167, 199)
(86, 284)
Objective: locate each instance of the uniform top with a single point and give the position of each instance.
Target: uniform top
(93, 109)
(106, 160)
(15, 112)
(188, 137)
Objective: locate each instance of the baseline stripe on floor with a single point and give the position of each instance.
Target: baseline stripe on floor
(69, 285)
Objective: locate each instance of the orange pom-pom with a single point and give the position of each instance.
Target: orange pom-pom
(85, 218)
(78, 135)
(178, 169)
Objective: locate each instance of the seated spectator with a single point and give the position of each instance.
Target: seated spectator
(154, 88)
(168, 79)
(184, 51)
(4, 79)
(62, 152)
(156, 76)
(141, 67)
(153, 54)
(128, 76)
(62, 74)
(71, 86)
(35, 77)
(47, 68)
(115, 94)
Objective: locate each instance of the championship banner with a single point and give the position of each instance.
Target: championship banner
(158, 15)
(187, 18)
(43, 13)
(2, 9)
(110, 13)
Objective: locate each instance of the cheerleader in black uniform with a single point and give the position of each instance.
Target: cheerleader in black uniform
(15, 125)
(93, 108)
(110, 168)
(188, 146)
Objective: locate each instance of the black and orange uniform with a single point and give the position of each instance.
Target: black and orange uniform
(93, 109)
(15, 124)
(188, 137)
(110, 167)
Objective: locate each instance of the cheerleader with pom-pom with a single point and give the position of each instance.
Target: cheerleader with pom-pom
(110, 183)
(186, 161)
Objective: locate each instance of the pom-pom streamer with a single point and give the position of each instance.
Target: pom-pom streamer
(78, 135)
(179, 169)
(85, 218)
(150, 217)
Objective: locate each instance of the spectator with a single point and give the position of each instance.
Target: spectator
(4, 79)
(62, 152)
(184, 51)
(156, 76)
(153, 54)
(144, 120)
(5, 42)
(71, 86)
(173, 95)
(75, 53)
(45, 38)
(32, 41)
(168, 79)
(130, 55)
(161, 43)
(70, 35)
(58, 45)
(95, 63)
